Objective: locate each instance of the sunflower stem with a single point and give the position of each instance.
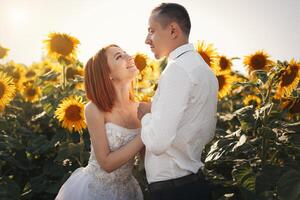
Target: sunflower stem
(81, 143)
(64, 76)
(69, 137)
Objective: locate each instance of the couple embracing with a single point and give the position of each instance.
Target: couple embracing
(172, 130)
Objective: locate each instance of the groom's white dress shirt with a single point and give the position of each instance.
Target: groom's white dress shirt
(183, 116)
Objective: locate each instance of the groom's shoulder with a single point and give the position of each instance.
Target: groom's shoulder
(189, 61)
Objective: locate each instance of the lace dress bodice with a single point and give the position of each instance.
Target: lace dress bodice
(117, 137)
(94, 183)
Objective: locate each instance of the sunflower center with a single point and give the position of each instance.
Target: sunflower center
(73, 113)
(31, 92)
(70, 73)
(140, 62)
(16, 75)
(2, 52)
(205, 57)
(2, 89)
(30, 74)
(221, 80)
(224, 64)
(61, 45)
(253, 102)
(289, 76)
(258, 62)
(296, 107)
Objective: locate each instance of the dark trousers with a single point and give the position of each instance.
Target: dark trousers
(184, 188)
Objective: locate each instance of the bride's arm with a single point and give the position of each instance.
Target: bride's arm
(108, 160)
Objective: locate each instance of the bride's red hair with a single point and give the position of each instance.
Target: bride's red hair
(98, 85)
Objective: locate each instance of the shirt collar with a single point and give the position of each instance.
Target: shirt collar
(181, 50)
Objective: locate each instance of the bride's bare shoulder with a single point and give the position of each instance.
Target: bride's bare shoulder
(91, 109)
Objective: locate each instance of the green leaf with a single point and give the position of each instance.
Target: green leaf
(244, 176)
(261, 75)
(267, 178)
(289, 185)
(39, 183)
(241, 141)
(219, 148)
(51, 75)
(68, 150)
(48, 89)
(9, 189)
(267, 133)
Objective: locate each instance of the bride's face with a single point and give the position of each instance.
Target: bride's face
(122, 66)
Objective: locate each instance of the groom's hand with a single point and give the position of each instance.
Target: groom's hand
(143, 109)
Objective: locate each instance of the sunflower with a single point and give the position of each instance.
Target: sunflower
(222, 63)
(7, 90)
(155, 70)
(289, 80)
(3, 52)
(252, 100)
(140, 61)
(225, 83)
(61, 46)
(71, 72)
(257, 61)
(207, 52)
(293, 105)
(70, 113)
(32, 72)
(48, 66)
(17, 72)
(31, 92)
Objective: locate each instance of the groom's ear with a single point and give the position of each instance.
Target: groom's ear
(174, 31)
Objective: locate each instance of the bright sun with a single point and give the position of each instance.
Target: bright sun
(18, 16)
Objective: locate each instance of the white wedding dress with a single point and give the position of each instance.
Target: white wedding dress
(93, 183)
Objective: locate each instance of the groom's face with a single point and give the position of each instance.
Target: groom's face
(158, 37)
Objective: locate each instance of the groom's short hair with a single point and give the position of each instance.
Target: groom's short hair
(169, 12)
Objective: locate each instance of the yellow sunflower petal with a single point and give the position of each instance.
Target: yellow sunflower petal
(71, 72)
(70, 112)
(225, 83)
(289, 80)
(222, 63)
(61, 45)
(31, 92)
(17, 72)
(3, 52)
(257, 61)
(207, 52)
(252, 100)
(7, 90)
(293, 105)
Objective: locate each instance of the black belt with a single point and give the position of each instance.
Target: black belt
(173, 183)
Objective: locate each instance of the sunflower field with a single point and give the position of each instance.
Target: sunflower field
(43, 135)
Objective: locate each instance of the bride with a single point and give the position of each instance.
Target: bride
(114, 131)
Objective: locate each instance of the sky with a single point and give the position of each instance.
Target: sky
(235, 27)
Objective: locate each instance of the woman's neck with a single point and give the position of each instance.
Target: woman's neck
(122, 96)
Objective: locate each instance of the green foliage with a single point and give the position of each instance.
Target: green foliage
(256, 151)
(255, 154)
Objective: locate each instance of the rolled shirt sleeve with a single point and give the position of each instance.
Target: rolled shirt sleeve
(159, 127)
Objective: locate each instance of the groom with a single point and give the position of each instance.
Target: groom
(182, 117)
